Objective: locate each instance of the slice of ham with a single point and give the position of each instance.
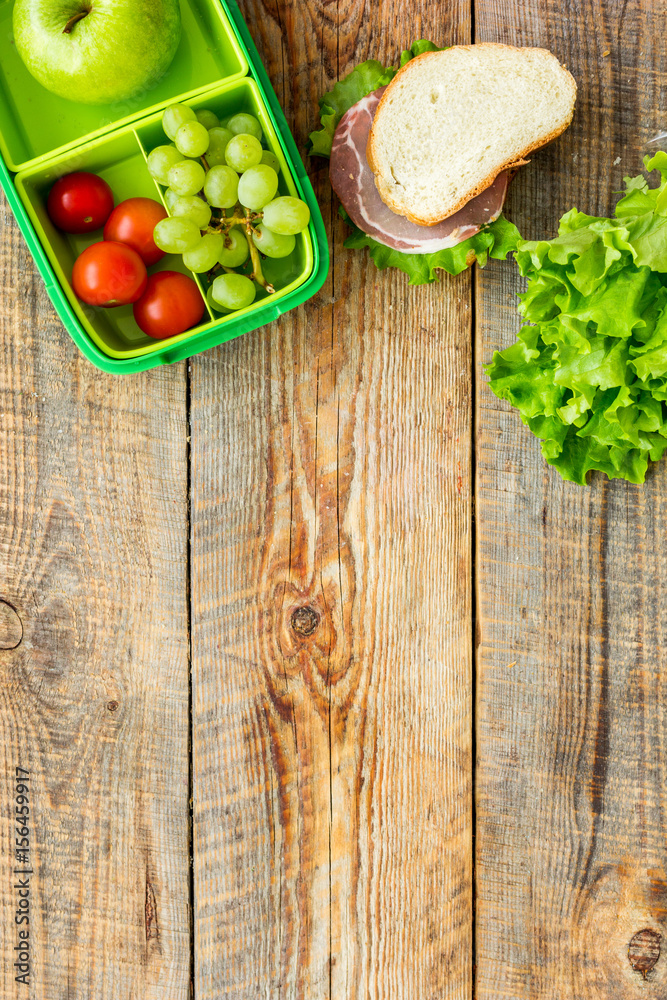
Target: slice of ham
(354, 183)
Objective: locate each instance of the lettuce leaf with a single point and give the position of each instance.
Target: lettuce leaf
(588, 372)
(495, 240)
(363, 80)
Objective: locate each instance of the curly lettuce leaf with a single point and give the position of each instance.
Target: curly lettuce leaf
(364, 79)
(495, 240)
(418, 49)
(588, 372)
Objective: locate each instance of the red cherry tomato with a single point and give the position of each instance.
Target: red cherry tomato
(171, 304)
(80, 203)
(109, 274)
(133, 222)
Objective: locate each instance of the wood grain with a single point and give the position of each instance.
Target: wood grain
(331, 604)
(93, 657)
(571, 862)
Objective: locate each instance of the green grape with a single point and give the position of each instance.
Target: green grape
(235, 249)
(272, 244)
(257, 186)
(245, 125)
(219, 137)
(271, 160)
(286, 216)
(213, 305)
(221, 187)
(207, 118)
(160, 161)
(243, 152)
(233, 291)
(187, 177)
(170, 198)
(192, 208)
(175, 116)
(215, 158)
(192, 139)
(204, 255)
(218, 140)
(176, 235)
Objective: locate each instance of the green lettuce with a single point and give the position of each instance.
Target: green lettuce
(588, 372)
(495, 240)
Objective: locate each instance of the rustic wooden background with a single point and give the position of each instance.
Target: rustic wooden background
(243, 600)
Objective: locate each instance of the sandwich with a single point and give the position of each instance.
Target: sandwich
(421, 156)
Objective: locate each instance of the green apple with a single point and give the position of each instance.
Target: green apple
(97, 51)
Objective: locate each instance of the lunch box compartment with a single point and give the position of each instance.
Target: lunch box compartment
(36, 123)
(121, 163)
(120, 160)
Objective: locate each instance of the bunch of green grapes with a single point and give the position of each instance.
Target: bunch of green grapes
(223, 202)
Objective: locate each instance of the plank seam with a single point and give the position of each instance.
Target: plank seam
(188, 614)
(473, 598)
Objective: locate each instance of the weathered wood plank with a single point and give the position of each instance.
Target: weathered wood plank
(93, 658)
(571, 749)
(331, 604)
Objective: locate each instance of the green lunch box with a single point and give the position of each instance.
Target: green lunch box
(43, 137)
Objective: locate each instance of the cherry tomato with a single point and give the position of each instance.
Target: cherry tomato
(133, 222)
(109, 274)
(80, 203)
(171, 304)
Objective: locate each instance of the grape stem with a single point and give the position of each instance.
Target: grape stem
(223, 226)
(226, 224)
(236, 220)
(220, 267)
(246, 221)
(257, 274)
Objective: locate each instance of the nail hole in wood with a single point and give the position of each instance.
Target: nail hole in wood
(112, 705)
(11, 627)
(305, 620)
(644, 950)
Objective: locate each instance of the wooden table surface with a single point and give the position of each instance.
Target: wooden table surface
(446, 777)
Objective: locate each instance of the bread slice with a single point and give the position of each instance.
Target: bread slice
(450, 121)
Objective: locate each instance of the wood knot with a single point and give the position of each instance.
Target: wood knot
(305, 620)
(112, 705)
(11, 627)
(644, 950)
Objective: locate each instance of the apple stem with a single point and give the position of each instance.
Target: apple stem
(73, 20)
